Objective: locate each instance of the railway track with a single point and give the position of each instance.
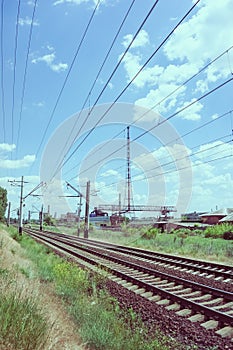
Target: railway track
(139, 272)
(220, 272)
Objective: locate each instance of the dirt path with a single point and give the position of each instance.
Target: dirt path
(63, 334)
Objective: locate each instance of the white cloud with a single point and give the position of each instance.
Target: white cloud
(141, 40)
(6, 163)
(27, 22)
(7, 147)
(202, 86)
(49, 60)
(203, 36)
(110, 172)
(192, 112)
(59, 67)
(132, 64)
(214, 150)
(215, 116)
(39, 104)
(209, 181)
(26, 161)
(160, 99)
(76, 2)
(79, 2)
(195, 43)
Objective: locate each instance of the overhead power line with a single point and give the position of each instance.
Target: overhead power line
(162, 100)
(179, 159)
(97, 76)
(106, 84)
(173, 115)
(67, 76)
(25, 74)
(184, 108)
(126, 87)
(182, 136)
(14, 74)
(2, 75)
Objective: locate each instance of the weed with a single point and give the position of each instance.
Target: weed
(23, 325)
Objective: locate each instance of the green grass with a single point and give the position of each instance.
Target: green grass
(100, 322)
(22, 323)
(207, 245)
(215, 249)
(102, 325)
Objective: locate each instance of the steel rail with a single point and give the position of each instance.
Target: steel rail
(223, 318)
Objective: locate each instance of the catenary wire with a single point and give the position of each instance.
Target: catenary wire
(182, 136)
(14, 72)
(174, 170)
(67, 76)
(2, 75)
(107, 82)
(158, 103)
(126, 87)
(174, 114)
(170, 94)
(97, 76)
(25, 74)
(191, 149)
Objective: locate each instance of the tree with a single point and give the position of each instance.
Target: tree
(49, 220)
(3, 203)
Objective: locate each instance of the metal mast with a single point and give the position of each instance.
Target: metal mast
(128, 170)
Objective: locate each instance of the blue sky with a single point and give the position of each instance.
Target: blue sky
(62, 121)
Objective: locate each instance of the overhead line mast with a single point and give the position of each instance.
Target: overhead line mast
(128, 170)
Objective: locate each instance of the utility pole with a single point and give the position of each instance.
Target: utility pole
(21, 208)
(79, 213)
(128, 169)
(22, 182)
(9, 214)
(119, 213)
(86, 226)
(80, 204)
(41, 218)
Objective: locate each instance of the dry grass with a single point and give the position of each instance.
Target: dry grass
(22, 279)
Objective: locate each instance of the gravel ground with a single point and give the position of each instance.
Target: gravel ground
(179, 328)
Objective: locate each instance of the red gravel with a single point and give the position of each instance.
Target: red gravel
(179, 328)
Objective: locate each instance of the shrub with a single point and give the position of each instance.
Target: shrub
(217, 231)
(228, 235)
(70, 279)
(151, 233)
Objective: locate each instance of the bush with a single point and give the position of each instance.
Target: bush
(151, 233)
(217, 231)
(228, 235)
(70, 279)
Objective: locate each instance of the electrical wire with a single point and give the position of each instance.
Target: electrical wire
(158, 103)
(106, 84)
(96, 78)
(185, 107)
(2, 75)
(172, 162)
(14, 74)
(25, 74)
(67, 76)
(178, 159)
(171, 116)
(126, 87)
(182, 136)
